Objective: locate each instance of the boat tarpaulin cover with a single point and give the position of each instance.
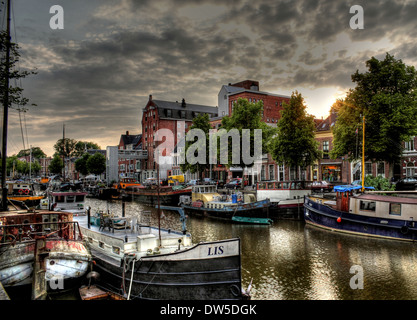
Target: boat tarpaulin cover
(349, 187)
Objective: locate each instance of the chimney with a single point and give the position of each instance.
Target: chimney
(150, 97)
(127, 133)
(183, 104)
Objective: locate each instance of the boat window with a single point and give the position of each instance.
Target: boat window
(101, 244)
(262, 185)
(395, 208)
(70, 198)
(292, 185)
(90, 240)
(285, 185)
(270, 185)
(298, 185)
(59, 199)
(79, 198)
(367, 205)
(116, 250)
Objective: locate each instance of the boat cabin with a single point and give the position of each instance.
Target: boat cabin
(375, 205)
(210, 198)
(65, 201)
(276, 191)
(204, 193)
(19, 188)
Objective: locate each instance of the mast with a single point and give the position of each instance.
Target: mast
(159, 201)
(5, 114)
(363, 154)
(63, 150)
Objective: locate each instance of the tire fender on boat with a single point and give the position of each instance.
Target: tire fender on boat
(404, 229)
(234, 289)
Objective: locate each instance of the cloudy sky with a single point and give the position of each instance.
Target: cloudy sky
(97, 73)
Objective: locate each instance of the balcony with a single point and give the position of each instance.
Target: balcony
(133, 154)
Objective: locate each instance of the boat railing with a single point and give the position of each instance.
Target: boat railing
(12, 233)
(284, 185)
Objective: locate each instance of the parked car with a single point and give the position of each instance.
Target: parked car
(322, 186)
(235, 183)
(220, 184)
(209, 181)
(193, 182)
(408, 183)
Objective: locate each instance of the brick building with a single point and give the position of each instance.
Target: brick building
(129, 167)
(332, 170)
(265, 169)
(175, 117)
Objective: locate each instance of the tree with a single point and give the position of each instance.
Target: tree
(202, 122)
(15, 92)
(379, 183)
(37, 153)
(56, 164)
(246, 119)
(386, 95)
(81, 164)
(65, 147)
(295, 143)
(81, 146)
(96, 164)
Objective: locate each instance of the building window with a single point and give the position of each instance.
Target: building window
(169, 113)
(410, 170)
(368, 169)
(183, 114)
(271, 172)
(331, 172)
(381, 169)
(281, 172)
(325, 149)
(293, 173)
(409, 145)
(263, 173)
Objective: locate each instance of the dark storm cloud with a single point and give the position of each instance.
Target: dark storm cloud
(97, 74)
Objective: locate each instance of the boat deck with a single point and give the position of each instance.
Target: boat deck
(131, 232)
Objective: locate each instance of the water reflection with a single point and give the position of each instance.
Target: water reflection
(292, 261)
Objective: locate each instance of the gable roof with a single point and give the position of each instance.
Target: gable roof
(133, 139)
(191, 110)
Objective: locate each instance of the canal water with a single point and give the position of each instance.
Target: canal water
(290, 260)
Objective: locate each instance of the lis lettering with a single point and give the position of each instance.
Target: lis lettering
(215, 251)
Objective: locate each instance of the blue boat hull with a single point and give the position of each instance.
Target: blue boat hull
(323, 216)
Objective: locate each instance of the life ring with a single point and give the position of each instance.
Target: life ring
(27, 191)
(21, 191)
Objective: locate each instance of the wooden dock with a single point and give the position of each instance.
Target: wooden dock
(3, 293)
